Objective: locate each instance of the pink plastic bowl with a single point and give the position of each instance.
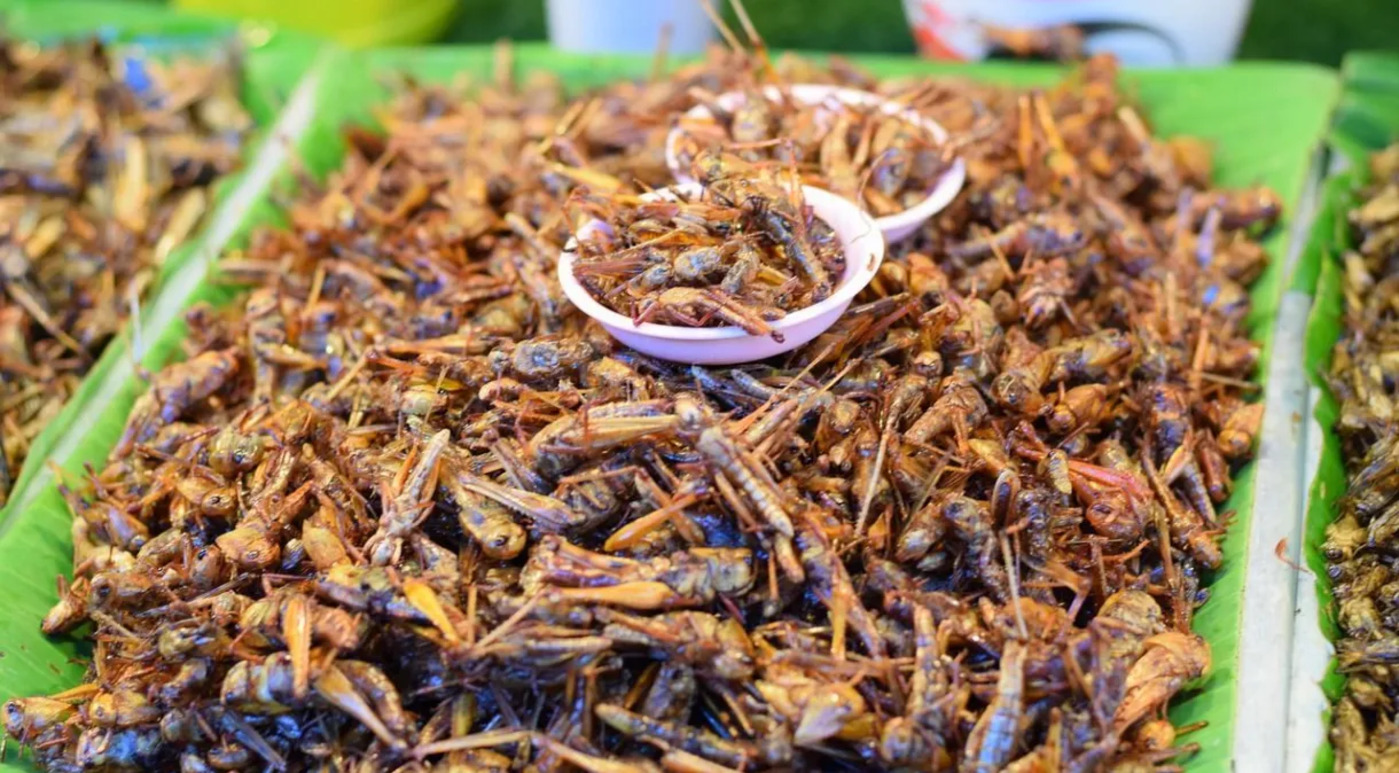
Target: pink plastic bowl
(896, 227)
(864, 251)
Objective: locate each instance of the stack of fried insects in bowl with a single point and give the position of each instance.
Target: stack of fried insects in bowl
(736, 260)
(1360, 544)
(107, 166)
(404, 508)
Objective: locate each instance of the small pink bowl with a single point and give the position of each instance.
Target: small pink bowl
(896, 227)
(864, 251)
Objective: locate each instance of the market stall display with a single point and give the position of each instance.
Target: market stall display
(400, 489)
(1349, 544)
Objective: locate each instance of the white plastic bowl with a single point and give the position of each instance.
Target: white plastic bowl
(896, 227)
(1189, 33)
(864, 251)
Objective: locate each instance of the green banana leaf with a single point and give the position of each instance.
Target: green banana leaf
(1366, 120)
(143, 29)
(1369, 71)
(47, 20)
(1258, 138)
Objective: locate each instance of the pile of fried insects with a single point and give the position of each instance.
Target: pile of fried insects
(105, 167)
(743, 250)
(404, 508)
(842, 148)
(1360, 546)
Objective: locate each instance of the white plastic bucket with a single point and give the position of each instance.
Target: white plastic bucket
(1181, 32)
(628, 26)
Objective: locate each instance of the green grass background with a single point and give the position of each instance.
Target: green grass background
(1320, 31)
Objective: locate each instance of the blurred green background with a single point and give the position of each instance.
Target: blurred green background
(1309, 30)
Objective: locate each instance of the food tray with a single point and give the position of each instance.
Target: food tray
(35, 541)
(159, 34)
(1258, 139)
(1366, 119)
